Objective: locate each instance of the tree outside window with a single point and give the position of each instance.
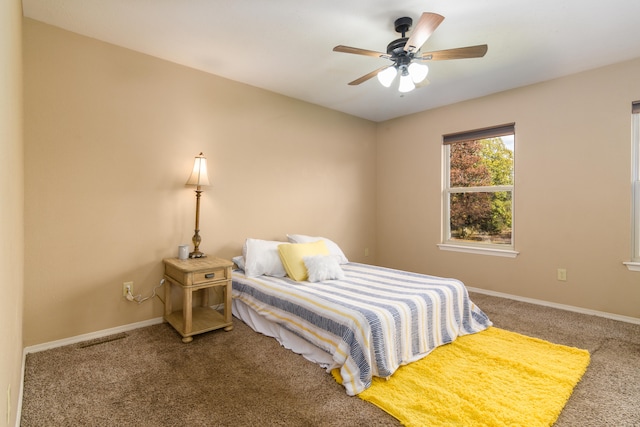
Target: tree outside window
(479, 189)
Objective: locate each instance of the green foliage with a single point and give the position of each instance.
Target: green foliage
(498, 160)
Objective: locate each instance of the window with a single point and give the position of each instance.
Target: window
(478, 190)
(635, 186)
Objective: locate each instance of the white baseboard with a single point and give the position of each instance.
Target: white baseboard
(91, 335)
(612, 316)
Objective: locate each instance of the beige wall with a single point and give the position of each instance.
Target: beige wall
(572, 191)
(110, 137)
(11, 210)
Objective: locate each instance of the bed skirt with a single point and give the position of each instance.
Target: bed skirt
(285, 337)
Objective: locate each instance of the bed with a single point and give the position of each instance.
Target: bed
(366, 320)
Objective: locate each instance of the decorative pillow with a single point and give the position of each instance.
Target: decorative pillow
(334, 249)
(261, 258)
(239, 261)
(291, 255)
(323, 267)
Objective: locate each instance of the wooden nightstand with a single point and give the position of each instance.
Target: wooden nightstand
(191, 275)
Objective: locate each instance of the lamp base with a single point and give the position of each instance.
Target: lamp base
(197, 254)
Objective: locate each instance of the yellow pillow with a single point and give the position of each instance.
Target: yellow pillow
(291, 256)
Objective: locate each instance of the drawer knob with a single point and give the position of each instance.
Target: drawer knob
(210, 276)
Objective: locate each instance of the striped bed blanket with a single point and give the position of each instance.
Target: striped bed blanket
(372, 321)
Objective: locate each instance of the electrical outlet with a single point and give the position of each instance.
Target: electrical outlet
(366, 251)
(562, 274)
(127, 287)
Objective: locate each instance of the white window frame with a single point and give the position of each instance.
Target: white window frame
(472, 247)
(634, 264)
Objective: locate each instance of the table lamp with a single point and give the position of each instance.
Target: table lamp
(198, 178)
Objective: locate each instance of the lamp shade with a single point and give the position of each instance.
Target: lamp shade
(199, 175)
(406, 84)
(386, 76)
(418, 72)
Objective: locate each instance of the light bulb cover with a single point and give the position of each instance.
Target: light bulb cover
(406, 83)
(387, 76)
(418, 72)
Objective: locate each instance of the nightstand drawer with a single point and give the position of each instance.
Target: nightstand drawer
(208, 276)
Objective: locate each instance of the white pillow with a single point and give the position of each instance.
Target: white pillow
(323, 267)
(334, 249)
(239, 261)
(261, 258)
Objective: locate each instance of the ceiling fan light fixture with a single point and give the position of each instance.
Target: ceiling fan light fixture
(387, 76)
(406, 83)
(418, 72)
(403, 51)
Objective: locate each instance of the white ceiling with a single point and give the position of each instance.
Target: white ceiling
(285, 46)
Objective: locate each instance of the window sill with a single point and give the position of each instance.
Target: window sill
(481, 251)
(632, 265)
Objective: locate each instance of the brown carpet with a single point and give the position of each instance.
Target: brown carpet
(148, 377)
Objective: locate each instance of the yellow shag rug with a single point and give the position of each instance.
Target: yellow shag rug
(491, 378)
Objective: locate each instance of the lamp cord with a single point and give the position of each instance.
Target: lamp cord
(139, 299)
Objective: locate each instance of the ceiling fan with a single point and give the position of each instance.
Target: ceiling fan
(406, 56)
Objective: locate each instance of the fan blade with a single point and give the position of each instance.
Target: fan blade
(459, 53)
(427, 24)
(358, 51)
(368, 76)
